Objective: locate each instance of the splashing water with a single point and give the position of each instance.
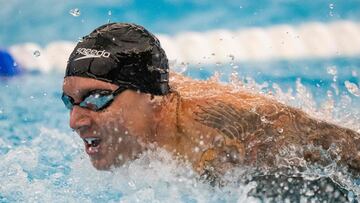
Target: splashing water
(36, 53)
(331, 7)
(75, 12)
(352, 88)
(52, 163)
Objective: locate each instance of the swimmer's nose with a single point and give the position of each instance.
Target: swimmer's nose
(79, 118)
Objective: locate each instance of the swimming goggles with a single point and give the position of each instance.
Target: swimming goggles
(95, 100)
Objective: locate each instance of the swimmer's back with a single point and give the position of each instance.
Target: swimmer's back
(264, 126)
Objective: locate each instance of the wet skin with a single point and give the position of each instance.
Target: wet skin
(122, 126)
(209, 125)
(242, 128)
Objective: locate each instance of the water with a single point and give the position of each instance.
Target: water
(166, 16)
(43, 160)
(303, 54)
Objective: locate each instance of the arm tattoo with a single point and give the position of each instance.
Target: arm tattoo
(230, 121)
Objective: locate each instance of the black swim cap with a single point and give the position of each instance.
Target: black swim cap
(123, 54)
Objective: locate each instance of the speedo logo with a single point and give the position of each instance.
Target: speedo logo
(92, 53)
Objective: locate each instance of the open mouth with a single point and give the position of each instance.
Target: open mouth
(92, 145)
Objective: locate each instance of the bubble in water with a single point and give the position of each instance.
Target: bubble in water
(352, 88)
(36, 53)
(109, 13)
(332, 70)
(75, 12)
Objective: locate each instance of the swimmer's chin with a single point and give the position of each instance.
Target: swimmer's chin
(104, 165)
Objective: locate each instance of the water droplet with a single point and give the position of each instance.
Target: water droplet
(201, 142)
(109, 13)
(332, 70)
(331, 6)
(196, 149)
(309, 193)
(352, 88)
(36, 53)
(132, 184)
(113, 39)
(126, 132)
(120, 139)
(75, 12)
(263, 119)
(232, 57)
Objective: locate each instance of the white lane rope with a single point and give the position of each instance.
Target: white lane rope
(309, 40)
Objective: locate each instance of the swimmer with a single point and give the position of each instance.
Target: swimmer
(123, 101)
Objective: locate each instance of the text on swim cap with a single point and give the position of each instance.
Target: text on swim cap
(92, 53)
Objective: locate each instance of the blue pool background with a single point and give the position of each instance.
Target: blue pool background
(43, 160)
(44, 21)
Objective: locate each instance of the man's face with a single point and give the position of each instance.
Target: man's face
(115, 134)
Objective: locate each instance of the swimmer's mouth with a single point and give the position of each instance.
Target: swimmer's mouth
(92, 145)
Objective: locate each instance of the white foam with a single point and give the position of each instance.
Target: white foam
(310, 40)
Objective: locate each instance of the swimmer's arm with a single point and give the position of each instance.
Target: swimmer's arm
(342, 143)
(263, 133)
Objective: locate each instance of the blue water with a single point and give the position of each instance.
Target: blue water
(44, 21)
(43, 160)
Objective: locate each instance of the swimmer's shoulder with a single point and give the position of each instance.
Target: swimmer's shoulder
(211, 92)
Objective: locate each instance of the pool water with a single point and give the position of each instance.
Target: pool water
(42, 160)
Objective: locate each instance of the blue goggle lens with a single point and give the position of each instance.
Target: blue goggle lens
(95, 101)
